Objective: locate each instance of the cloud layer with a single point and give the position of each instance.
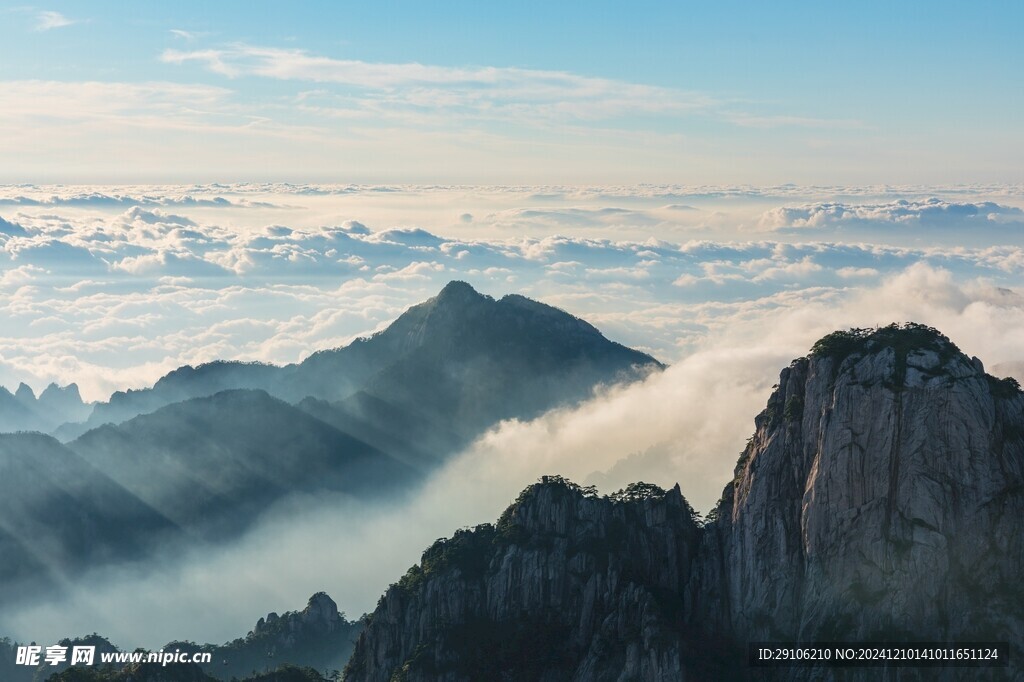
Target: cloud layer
(961, 216)
(112, 287)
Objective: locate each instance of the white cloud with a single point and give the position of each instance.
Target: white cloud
(932, 212)
(132, 104)
(187, 36)
(78, 276)
(853, 273)
(488, 82)
(47, 20)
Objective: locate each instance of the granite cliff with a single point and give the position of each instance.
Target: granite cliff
(881, 497)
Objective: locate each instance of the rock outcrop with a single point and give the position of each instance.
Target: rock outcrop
(318, 637)
(880, 498)
(566, 585)
(23, 411)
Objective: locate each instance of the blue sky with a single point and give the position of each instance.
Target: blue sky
(512, 93)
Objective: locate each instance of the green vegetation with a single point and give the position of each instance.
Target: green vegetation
(794, 409)
(1003, 388)
(522, 648)
(901, 338)
(635, 492)
(470, 549)
(467, 550)
(290, 673)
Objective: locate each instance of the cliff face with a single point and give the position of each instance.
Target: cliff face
(565, 586)
(881, 497)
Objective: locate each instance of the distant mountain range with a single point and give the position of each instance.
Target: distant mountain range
(460, 359)
(311, 645)
(880, 498)
(206, 450)
(55, 406)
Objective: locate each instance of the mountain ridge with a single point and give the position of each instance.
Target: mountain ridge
(455, 328)
(211, 448)
(881, 497)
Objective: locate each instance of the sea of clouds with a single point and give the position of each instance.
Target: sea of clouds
(112, 287)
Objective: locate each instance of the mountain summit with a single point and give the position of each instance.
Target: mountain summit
(208, 449)
(881, 497)
(461, 359)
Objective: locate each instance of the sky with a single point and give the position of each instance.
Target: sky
(511, 93)
(717, 184)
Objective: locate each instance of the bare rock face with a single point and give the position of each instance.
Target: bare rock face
(881, 497)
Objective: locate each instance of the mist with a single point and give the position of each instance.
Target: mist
(686, 425)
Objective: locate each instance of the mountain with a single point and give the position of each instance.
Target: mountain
(884, 488)
(212, 465)
(566, 585)
(10, 671)
(881, 497)
(468, 361)
(205, 469)
(318, 637)
(460, 361)
(180, 672)
(59, 514)
(22, 411)
(311, 645)
(15, 414)
(207, 450)
(411, 439)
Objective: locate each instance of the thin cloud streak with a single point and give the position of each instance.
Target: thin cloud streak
(489, 89)
(48, 20)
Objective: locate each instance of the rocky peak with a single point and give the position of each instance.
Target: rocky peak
(320, 616)
(66, 400)
(458, 292)
(564, 586)
(910, 354)
(25, 394)
(318, 636)
(321, 610)
(68, 392)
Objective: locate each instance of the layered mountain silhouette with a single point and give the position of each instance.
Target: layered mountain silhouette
(55, 406)
(317, 637)
(311, 645)
(881, 498)
(211, 464)
(60, 514)
(207, 450)
(461, 359)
